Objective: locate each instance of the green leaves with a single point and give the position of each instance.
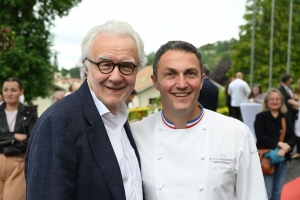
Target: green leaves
(242, 49)
(29, 58)
(6, 38)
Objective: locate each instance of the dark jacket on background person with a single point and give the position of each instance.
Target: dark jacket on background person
(292, 113)
(70, 155)
(268, 130)
(209, 95)
(26, 118)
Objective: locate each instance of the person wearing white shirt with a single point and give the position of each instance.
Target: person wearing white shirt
(238, 89)
(82, 146)
(187, 151)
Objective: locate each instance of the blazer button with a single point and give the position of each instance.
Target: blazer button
(24, 118)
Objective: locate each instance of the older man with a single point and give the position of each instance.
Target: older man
(82, 146)
(187, 151)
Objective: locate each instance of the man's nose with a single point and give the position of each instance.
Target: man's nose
(181, 82)
(116, 75)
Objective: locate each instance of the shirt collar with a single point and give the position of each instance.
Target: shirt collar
(189, 124)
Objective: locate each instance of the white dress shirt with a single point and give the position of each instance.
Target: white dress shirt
(214, 160)
(239, 90)
(124, 152)
(288, 90)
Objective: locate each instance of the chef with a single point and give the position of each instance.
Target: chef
(189, 152)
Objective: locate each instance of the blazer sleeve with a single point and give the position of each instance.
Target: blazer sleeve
(50, 163)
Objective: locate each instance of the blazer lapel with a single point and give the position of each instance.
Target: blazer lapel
(131, 140)
(101, 146)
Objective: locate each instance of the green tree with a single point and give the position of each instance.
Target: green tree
(75, 72)
(30, 59)
(241, 50)
(150, 58)
(217, 57)
(6, 38)
(64, 72)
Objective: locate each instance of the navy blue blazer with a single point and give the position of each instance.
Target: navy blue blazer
(69, 155)
(209, 95)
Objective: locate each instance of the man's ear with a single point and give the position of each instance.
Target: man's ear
(154, 82)
(202, 80)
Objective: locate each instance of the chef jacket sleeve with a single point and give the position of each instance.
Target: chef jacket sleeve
(250, 183)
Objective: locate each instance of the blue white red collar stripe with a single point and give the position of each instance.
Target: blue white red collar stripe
(190, 123)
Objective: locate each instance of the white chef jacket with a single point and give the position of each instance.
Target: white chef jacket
(216, 159)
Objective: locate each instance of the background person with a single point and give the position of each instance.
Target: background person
(228, 97)
(297, 122)
(268, 127)
(289, 99)
(82, 146)
(73, 87)
(209, 93)
(58, 95)
(256, 95)
(128, 101)
(16, 123)
(187, 151)
(239, 90)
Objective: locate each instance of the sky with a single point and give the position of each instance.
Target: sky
(198, 22)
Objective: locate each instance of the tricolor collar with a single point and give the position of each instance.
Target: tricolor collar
(189, 124)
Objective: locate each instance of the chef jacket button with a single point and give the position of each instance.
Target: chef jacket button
(160, 129)
(160, 187)
(203, 128)
(200, 187)
(159, 157)
(24, 118)
(202, 157)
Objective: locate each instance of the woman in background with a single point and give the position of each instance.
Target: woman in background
(268, 127)
(228, 97)
(16, 123)
(256, 95)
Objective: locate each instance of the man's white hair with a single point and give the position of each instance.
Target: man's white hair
(114, 27)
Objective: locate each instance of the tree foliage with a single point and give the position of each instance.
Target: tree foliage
(150, 58)
(217, 57)
(30, 57)
(242, 49)
(6, 38)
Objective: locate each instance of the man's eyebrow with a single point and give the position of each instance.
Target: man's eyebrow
(185, 70)
(170, 69)
(108, 59)
(102, 58)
